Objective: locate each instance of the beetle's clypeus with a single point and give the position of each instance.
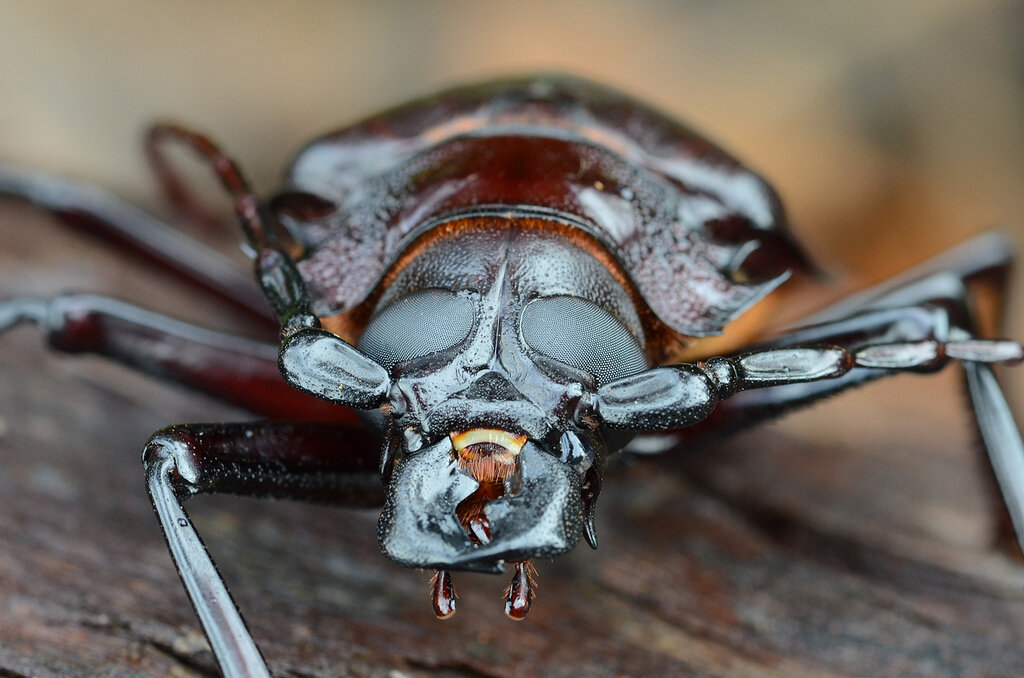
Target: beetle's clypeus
(506, 282)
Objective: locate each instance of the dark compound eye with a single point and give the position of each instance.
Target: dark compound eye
(582, 335)
(416, 325)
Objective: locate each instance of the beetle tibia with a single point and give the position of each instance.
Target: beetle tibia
(442, 594)
(521, 591)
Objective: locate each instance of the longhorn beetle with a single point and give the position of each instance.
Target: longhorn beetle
(506, 282)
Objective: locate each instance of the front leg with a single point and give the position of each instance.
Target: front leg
(314, 462)
(683, 395)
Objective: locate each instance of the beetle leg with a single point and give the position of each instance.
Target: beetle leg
(683, 395)
(951, 280)
(100, 213)
(928, 303)
(238, 370)
(357, 381)
(302, 461)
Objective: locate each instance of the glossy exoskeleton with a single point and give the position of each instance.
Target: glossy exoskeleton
(507, 282)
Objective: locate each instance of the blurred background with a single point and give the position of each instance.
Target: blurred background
(892, 130)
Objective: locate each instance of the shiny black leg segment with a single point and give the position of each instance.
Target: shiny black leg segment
(869, 328)
(316, 362)
(678, 396)
(1001, 440)
(99, 213)
(313, 462)
(931, 302)
(241, 371)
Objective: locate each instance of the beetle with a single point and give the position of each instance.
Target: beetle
(507, 283)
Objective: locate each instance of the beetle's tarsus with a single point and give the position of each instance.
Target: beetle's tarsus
(930, 354)
(1007, 353)
(442, 594)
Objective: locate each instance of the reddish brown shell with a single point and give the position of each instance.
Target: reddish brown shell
(701, 237)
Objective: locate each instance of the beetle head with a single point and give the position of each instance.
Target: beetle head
(485, 353)
(495, 339)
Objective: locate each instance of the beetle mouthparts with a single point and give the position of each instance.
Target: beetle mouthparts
(489, 455)
(437, 516)
(520, 593)
(442, 594)
(518, 596)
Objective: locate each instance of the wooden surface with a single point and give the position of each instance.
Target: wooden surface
(848, 540)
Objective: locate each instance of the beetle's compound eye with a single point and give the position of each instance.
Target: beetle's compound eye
(416, 325)
(582, 335)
